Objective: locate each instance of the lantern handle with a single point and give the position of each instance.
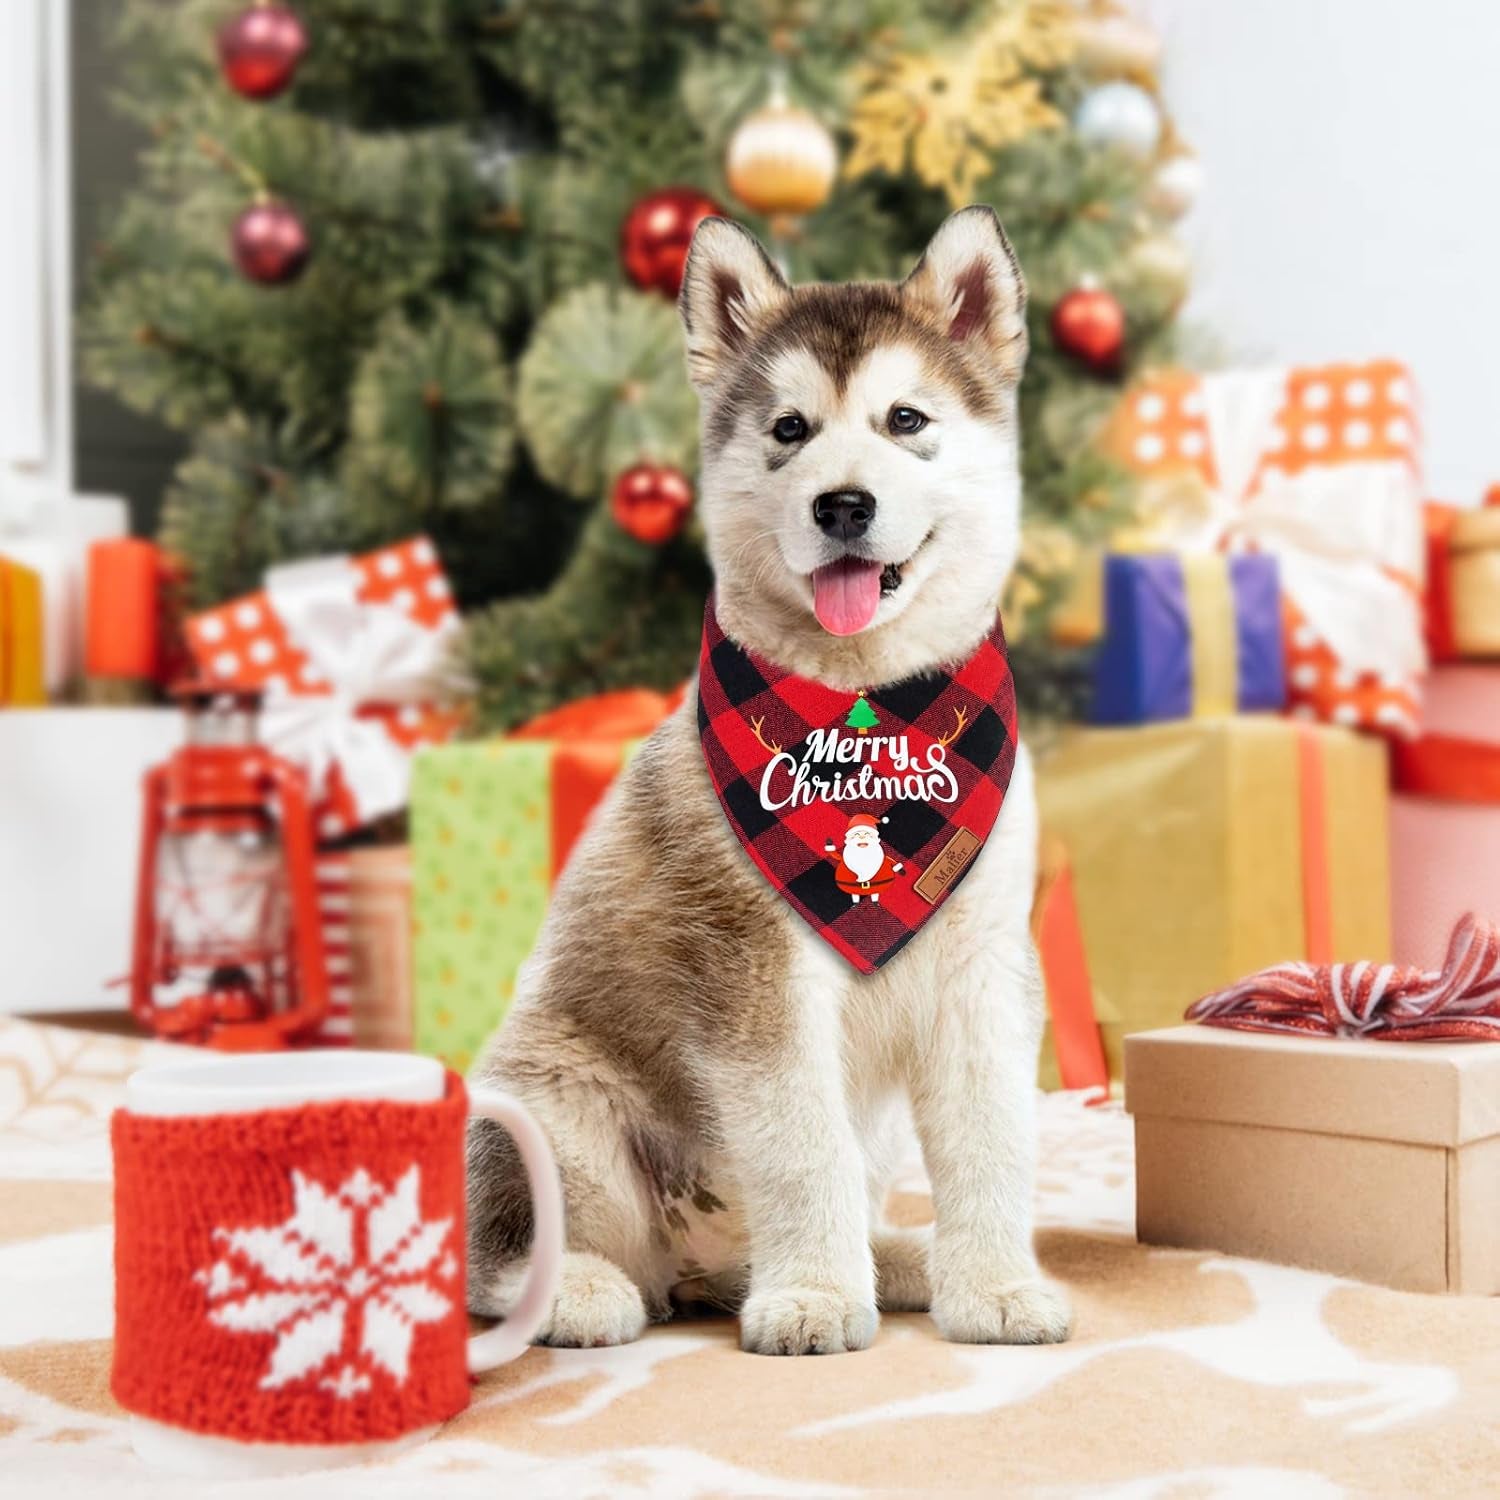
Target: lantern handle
(302, 883)
(142, 959)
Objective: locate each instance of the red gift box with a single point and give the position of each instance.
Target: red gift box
(1445, 816)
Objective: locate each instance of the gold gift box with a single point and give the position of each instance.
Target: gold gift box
(1206, 849)
(1474, 563)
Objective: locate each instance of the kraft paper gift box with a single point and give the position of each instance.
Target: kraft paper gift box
(1316, 466)
(1376, 1160)
(492, 824)
(1445, 815)
(1204, 849)
(1188, 636)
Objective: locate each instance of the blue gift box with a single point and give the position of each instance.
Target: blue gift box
(1189, 636)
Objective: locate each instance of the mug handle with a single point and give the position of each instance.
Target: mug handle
(511, 1338)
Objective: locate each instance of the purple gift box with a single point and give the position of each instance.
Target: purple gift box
(1144, 668)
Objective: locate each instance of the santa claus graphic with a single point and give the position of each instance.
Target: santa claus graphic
(864, 869)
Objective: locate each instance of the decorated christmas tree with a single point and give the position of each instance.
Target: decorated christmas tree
(401, 266)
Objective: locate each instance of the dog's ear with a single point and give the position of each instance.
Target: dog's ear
(970, 280)
(729, 285)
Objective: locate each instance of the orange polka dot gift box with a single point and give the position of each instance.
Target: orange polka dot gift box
(1317, 467)
(352, 657)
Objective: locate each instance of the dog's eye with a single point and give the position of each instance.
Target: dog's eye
(906, 420)
(789, 429)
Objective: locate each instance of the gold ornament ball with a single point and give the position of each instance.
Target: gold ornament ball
(1109, 46)
(1163, 266)
(781, 160)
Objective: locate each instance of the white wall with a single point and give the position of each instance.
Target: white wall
(1352, 196)
(70, 815)
(35, 360)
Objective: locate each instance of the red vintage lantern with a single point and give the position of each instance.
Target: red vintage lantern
(228, 942)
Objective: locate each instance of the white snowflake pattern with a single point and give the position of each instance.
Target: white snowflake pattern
(343, 1283)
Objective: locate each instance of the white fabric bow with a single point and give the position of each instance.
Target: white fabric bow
(1332, 528)
(368, 654)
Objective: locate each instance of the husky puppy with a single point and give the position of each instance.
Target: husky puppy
(722, 1090)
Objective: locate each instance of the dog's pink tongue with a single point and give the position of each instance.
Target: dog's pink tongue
(846, 595)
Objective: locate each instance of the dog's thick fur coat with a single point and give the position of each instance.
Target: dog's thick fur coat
(722, 1091)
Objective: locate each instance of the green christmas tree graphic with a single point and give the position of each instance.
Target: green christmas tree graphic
(861, 716)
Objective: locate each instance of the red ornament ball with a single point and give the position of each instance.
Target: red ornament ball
(655, 236)
(270, 244)
(259, 50)
(651, 503)
(1089, 324)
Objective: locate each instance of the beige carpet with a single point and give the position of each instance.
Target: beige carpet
(1191, 1375)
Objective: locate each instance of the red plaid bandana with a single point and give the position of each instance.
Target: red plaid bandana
(863, 810)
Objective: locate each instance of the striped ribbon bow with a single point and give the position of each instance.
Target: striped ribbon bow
(1389, 1003)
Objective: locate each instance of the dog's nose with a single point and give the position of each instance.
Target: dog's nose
(844, 514)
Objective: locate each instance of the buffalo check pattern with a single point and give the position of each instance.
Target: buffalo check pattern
(750, 710)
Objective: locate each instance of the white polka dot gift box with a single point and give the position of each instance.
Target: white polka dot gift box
(353, 657)
(1317, 467)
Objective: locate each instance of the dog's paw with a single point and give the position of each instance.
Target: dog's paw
(597, 1305)
(1024, 1312)
(805, 1320)
(903, 1280)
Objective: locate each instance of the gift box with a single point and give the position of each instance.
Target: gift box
(49, 535)
(1206, 848)
(1317, 467)
(364, 900)
(1463, 580)
(127, 624)
(492, 824)
(1371, 1159)
(1445, 814)
(351, 655)
(1188, 635)
(22, 683)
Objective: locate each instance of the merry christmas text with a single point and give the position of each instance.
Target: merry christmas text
(790, 782)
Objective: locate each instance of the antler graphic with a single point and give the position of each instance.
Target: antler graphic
(772, 746)
(961, 716)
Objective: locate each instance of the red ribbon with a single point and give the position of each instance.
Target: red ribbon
(1437, 521)
(1459, 1002)
(588, 739)
(1442, 765)
(1317, 880)
(1076, 1042)
(628, 714)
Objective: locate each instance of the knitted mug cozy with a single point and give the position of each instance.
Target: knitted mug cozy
(292, 1275)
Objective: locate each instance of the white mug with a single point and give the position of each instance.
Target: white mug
(291, 1081)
